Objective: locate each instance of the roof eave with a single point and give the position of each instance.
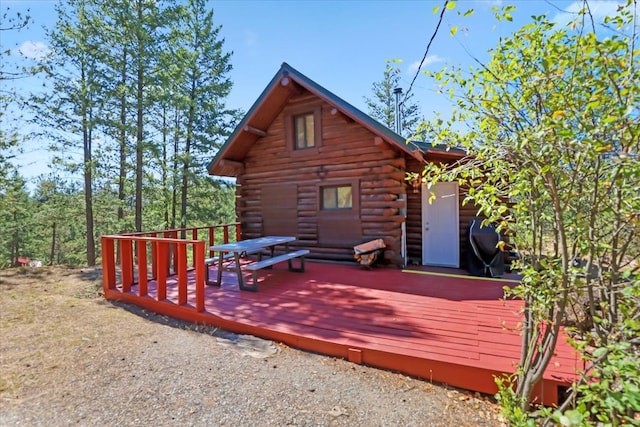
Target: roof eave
(444, 153)
(244, 122)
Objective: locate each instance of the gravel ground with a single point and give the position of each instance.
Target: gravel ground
(68, 357)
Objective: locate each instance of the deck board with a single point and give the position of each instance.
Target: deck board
(447, 328)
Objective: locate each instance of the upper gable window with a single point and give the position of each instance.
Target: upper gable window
(303, 129)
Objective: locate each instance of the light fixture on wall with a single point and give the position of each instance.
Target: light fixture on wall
(322, 172)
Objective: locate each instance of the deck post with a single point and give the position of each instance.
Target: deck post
(142, 267)
(212, 239)
(108, 264)
(163, 258)
(194, 236)
(181, 259)
(199, 267)
(174, 235)
(126, 264)
(154, 258)
(238, 232)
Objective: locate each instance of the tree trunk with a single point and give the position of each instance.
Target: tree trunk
(187, 161)
(88, 201)
(14, 243)
(123, 142)
(139, 121)
(544, 333)
(52, 253)
(165, 180)
(88, 174)
(174, 193)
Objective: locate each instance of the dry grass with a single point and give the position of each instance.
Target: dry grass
(70, 357)
(48, 316)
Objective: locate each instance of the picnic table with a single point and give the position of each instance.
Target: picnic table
(234, 250)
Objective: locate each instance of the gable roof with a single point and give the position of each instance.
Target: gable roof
(286, 82)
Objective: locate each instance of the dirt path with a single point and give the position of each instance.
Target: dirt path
(67, 356)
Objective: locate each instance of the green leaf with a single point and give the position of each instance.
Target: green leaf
(575, 416)
(545, 64)
(453, 30)
(469, 12)
(599, 352)
(451, 5)
(593, 105)
(565, 421)
(436, 9)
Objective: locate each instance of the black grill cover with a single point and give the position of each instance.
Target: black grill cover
(484, 258)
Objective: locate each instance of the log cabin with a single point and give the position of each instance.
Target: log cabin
(311, 165)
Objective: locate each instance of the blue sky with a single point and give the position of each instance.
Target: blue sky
(341, 45)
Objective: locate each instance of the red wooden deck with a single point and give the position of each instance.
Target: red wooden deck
(451, 329)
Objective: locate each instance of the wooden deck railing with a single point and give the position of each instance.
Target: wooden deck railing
(168, 254)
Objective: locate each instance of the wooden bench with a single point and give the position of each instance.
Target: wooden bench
(289, 256)
(227, 257)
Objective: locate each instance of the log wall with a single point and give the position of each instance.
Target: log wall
(414, 215)
(347, 153)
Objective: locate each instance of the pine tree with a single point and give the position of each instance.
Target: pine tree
(115, 56)
(69, 110)
(9, 141)
(200, 84)
(15, 218)
(382, 106)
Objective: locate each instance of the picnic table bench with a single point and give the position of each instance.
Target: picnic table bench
(288, 256)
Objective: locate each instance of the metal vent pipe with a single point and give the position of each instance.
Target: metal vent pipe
(398, 92)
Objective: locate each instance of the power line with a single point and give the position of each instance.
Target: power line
(426, 53)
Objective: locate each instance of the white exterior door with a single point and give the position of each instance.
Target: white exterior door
(440, 225)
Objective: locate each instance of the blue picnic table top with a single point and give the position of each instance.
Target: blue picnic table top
(249, 244)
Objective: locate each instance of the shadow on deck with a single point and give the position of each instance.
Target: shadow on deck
(427, 323)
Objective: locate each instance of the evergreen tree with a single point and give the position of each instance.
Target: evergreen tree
(15, 216)
(69, 110)
(132, 103)
(115, 54)
(146, 26)
(58, 221)
(382, 106)
(200, 84)
(9, 146)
